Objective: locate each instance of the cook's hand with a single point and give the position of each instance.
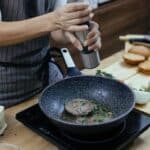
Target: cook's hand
(72, 16)
(93, 40)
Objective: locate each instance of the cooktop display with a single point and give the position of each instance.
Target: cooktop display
(136, 123)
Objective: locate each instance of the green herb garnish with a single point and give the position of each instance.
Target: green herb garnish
(144, 89)
(99, 114)
(147, 89)
(104, 74)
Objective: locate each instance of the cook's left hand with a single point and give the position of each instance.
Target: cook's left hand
(93, 40)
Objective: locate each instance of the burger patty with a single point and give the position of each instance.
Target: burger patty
(79, 107)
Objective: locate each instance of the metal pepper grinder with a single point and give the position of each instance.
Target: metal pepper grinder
(91, 59)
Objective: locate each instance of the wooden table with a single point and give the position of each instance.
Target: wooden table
(20, 135)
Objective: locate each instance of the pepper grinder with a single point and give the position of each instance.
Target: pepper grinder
(90, 59)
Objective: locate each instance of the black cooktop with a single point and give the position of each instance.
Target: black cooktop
(136, 123)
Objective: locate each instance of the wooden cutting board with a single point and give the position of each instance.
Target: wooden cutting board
(121, 70)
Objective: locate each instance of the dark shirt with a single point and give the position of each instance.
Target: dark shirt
(20, 83)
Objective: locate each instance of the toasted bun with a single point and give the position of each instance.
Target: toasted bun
(140, 50)
(149, 58)
(133, 59)
(145, 67)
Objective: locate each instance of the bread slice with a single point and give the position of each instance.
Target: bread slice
(133, 59)
(140, 50)
(145, 67)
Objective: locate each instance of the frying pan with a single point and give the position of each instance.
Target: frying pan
(114, 94)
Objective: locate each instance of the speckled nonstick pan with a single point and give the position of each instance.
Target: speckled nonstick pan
(115, 95)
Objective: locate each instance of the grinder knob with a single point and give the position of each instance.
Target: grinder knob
(90, 60)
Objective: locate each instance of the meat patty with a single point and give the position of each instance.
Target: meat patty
(79, 107)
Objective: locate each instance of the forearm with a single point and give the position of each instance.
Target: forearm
(68, 18)
(20, 31)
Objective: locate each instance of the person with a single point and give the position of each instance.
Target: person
(92, 3)
(24, 37)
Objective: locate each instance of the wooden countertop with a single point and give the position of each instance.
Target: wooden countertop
(20, 135)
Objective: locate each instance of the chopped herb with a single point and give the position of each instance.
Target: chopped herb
(104, 74)
(145, 89)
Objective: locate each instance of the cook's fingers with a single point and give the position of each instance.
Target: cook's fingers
(93, 33)
(76, 28)
(96, 46)
(94, 29)
(92, 48)
(80, 21)
(94, 24)
(80, 14)
(91, 41)
(75, 42)
(72, 7)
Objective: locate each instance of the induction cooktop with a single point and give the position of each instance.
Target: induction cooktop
(136, 123)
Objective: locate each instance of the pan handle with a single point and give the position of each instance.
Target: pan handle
(72, 70)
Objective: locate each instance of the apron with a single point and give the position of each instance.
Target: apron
(25, 68)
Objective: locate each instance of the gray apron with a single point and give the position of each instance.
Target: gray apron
(22, 66)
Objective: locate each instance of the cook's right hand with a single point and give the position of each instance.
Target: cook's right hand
(72, 16)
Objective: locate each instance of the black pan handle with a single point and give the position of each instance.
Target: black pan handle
(72, 70)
